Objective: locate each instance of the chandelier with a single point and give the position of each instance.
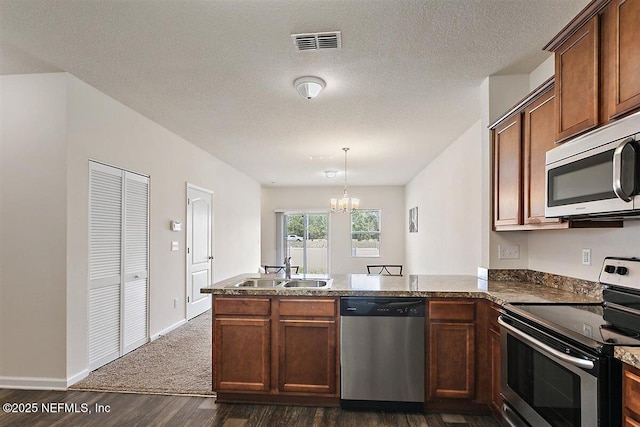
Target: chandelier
(344, 203)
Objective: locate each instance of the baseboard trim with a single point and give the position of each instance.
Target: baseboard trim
(33, 383)
(167, 330)
(77, 377)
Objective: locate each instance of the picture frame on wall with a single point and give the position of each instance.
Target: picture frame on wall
(413, 220)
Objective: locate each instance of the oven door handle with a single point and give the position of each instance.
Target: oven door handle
(539, 345)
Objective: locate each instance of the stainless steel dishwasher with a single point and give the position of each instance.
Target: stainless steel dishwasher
(382, 353)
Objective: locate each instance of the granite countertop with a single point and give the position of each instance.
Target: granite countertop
(429, 286)
(629, 355)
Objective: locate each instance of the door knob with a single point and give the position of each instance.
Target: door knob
(210, 257)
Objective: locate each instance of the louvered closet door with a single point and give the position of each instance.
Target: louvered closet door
(105, 263)
(136, 247)
(118, 263)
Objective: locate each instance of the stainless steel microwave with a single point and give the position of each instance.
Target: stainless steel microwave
(596, 174)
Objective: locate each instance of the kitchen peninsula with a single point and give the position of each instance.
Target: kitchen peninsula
(281, 345)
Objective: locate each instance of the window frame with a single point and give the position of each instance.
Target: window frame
(354, 253)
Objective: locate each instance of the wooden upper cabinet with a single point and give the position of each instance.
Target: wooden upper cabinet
(577, 81)
(623, 56)
(539, 137)
(507, 171)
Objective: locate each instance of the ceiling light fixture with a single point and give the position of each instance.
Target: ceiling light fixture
(330, 173)
(309, 87)
(345, 203)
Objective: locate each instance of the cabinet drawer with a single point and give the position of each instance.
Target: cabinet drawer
(242, 306)
(452, 310)
(308, 307)
(631, 384)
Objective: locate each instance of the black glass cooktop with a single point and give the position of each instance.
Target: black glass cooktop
(587, 323)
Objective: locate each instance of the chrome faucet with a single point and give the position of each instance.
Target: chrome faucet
(287, 267)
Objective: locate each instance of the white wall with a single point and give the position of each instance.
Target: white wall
(542, 72)
(560, 251)
(86, 124)
(34, 235)
(448, 193)
(390, 199)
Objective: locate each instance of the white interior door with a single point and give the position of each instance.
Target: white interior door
(118, 262)
(136, 262)
(105, 263)
(199, 249)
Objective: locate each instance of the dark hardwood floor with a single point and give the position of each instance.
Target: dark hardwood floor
(82, 408)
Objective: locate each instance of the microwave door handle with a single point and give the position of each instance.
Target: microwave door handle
(544, 348)
(617, 170)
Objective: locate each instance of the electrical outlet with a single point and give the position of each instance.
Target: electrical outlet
(586, 256)
(508, 252)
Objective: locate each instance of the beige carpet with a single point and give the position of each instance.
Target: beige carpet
(176, 363)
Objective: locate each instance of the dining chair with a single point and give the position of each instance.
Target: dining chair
(385, 269)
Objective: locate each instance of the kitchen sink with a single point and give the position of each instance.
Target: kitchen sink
(283, 283)
(307, 284)
(258, 283)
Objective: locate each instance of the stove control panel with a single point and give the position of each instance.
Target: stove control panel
(621, 272)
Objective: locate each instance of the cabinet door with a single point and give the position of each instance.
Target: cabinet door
(631, 394)
(307, 356)
(577, 73)
(241, 349)
(539, 137)
(624, 58)
(630, 422)
(495, 369)
(507, 152)
(452, 360)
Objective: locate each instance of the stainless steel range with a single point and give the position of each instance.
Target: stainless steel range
(558, 367)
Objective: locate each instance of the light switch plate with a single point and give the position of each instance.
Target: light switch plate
(175, 246)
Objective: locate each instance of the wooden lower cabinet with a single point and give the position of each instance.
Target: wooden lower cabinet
(495, 358)
(455, 356)
(286, 350)
(307, 356)
(242, 352)
(631, 395)
(276, 350)
(452, 360)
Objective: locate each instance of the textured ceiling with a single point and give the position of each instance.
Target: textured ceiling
(219, 73)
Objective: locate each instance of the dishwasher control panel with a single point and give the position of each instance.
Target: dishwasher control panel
(382, 307)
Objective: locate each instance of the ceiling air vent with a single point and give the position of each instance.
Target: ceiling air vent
(317, 41)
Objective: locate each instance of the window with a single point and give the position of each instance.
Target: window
(365, 233)
(305, 240)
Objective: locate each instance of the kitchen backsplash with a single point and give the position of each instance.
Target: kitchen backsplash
(570, 284)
